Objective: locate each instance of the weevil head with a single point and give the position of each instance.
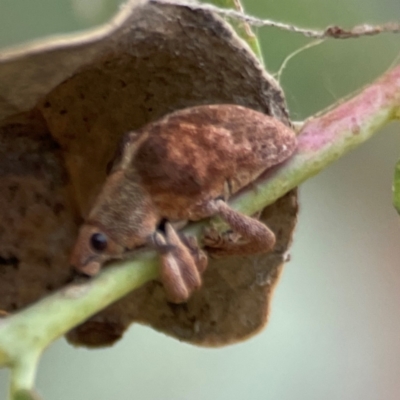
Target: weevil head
(121, 219)
(92, 249)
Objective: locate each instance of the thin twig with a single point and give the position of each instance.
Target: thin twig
(331, 32)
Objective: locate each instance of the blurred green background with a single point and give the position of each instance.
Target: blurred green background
(335, 324)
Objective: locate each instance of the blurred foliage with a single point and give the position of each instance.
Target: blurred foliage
(335, 68)
(396, 187)
(22, 20)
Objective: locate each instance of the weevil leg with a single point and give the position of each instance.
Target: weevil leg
(199, 256)
(258, 237)
(181, 264)
(171, 277)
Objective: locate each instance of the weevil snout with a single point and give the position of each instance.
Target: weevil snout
(89, 269)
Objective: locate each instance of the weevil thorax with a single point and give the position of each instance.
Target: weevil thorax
(121, 219)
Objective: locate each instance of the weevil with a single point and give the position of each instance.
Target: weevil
(183, 167)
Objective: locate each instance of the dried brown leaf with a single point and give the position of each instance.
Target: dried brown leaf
(64, 106)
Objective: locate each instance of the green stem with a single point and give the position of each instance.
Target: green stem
(26, 334)
(322, 140)
(326, 138)
(37, 326)
(243, 29)
(23, 375)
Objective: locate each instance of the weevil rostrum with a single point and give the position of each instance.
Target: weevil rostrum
(183, 167)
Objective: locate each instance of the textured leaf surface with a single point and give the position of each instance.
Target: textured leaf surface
(64, 106)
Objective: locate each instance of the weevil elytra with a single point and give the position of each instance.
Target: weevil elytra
(183, 167)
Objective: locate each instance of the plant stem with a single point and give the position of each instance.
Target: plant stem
(242, 28)
(23, 375)
(26, 334)
(38, 325)
(325, 138)
(322, 140)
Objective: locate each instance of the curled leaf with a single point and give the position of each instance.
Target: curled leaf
(64, 106)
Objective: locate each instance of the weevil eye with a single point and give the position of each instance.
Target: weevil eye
(98, 241)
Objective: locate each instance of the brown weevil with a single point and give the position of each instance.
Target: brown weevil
(183, 168)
